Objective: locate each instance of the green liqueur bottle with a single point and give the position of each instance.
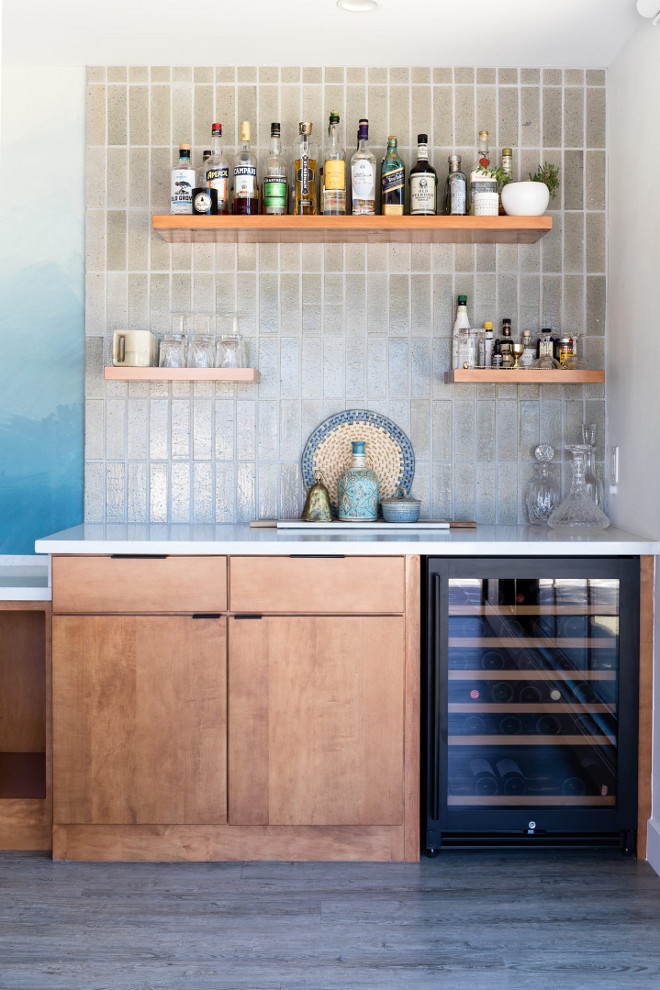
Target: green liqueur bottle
(392, 180)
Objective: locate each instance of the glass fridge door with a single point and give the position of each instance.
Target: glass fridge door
(530, 692)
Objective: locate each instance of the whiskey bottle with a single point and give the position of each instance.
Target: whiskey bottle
(246, 187)
(306, 172)
(423, 182)
(333, 198)
(182, 183)
(507, 167)
(274, 184)
(217, 170)
(484, 200)
(455, 204)
(392, 181)
(363, 175)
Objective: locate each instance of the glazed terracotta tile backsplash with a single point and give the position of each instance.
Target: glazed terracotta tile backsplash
(337, 326)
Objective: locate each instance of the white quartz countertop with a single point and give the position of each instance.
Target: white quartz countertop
(99, 538)
(24, 579)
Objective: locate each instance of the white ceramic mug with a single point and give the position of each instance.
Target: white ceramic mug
(134, 348)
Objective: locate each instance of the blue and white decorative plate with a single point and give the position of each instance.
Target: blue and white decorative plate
(389, 451)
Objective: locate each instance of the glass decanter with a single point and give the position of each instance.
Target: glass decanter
(578, 509)
(543, 492)
(592, 483)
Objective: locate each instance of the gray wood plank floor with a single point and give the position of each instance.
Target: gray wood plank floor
(479, 920)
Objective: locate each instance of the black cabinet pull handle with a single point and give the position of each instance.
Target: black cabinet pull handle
(206, 615)
(248, 616)
(139, 556)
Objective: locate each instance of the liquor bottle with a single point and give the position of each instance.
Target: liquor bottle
(485, 780)
(306, 172)
(333, 187)
(501, 692)
(217, 170)
(204, 197)
(423, 182)
(462, 322)
(182, 183)
(392, 181)
(484, 200)
(505, 344)
(455, 204)
(507, 170)
(529, 353)
(486, 346)
(274, 183)
(363, 175)
(513, 780)
(246, 187)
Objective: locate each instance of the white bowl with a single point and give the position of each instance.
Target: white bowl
(525, 199)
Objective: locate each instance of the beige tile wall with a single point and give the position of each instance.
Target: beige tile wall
(336, 326)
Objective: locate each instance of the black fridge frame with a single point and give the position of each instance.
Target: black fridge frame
(502, 825)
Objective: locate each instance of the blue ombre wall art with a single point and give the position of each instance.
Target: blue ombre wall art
(41, 304)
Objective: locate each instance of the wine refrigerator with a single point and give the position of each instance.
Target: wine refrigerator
(531, 702)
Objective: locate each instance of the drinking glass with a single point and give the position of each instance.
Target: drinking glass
(173, 351)
(201, 350)
(230, 351)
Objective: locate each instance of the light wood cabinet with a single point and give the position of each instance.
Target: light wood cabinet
(139, 729)
(316, 708)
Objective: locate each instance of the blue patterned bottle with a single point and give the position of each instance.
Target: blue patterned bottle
(357, 489)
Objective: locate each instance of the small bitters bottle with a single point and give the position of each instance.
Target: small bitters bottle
(455, 204)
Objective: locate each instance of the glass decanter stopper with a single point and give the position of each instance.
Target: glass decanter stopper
(543, 492)
(578, 509)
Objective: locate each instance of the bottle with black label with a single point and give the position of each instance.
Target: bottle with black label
(274, 184)
(392, 181)
(217, 171)
(182, 184)
(246, 186)
(204, 197)
(306, 172)
(423, 182)
(506, 344)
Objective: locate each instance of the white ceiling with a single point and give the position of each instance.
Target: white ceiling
(316, 32)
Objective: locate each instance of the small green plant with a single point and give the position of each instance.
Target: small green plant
(549, 174)
(499, 174)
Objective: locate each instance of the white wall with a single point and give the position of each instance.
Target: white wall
(633, 359)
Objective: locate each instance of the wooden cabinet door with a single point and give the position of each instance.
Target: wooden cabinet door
(139, 720)
(316, 720)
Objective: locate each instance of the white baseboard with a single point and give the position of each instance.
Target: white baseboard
(653, 844)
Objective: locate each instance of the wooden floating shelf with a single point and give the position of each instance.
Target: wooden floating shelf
(322, 229)
(240, 375)
(523, 376)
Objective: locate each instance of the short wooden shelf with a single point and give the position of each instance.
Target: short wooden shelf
(523, 376)
(240, 375)
(428, 230)
(528, 740)
(544, 800)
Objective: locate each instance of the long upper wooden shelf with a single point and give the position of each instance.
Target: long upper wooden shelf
(524, 376)
(126, 374)
(428, 230)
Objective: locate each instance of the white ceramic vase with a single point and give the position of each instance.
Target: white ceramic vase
(525, 199)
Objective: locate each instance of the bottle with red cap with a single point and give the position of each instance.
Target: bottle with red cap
(217, 170)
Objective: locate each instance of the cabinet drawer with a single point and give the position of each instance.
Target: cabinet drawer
(317, 585)
(139, 584)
